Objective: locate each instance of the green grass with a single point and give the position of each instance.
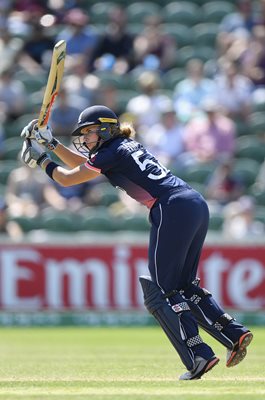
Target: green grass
(117, 363)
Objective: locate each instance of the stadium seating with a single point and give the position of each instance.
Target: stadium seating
(27, 223)
(2, 190)
(194, 25)
(205, 34)
(197, 173)
(99, 12)
(183, 12)
(260, 211)
(6, 167)
(259, 196)
(182, 33)
(105, 194)
(216, 221)
(14, 128)
(138, 11)
(32, 83)
(257, 123)
(53, 220)
(134, 223)
(12, 147)
(215, 11)
(172, 77)
(203, 53)
(99, 220)
(250, 147)
(247, 169)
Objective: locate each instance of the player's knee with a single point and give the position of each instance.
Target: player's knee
(195, 293)
(155, 299)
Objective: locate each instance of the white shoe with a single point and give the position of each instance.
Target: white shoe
(201, 367)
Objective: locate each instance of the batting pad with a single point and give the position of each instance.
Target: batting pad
(169, 320)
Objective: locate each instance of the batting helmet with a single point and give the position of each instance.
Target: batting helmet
(106, 120)
(97, 115)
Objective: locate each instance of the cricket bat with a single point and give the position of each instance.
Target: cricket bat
(53, 83)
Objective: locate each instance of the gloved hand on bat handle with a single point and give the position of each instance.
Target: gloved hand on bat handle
(42, 136)
(33, 153)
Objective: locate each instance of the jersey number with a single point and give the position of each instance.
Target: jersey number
(162, 170)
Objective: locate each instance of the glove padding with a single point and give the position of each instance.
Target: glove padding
(42, 136)
(33, 153)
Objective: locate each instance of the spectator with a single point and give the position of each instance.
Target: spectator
(241, 21)
(252, 59)
(234, 91)
(261, 12)
(209, 137)
(239, 220)
(80, 37)
(108, 95)
(153, 41)
(38, 44)
(223, 185)
(148, 105)
(71, 198)
(65, 113)
(78, 82)
(8, 228)
(10, 48)
(28, 192)
(12, 94)
(165, 139)
(115, 44)
(259, 184)
(191, 92)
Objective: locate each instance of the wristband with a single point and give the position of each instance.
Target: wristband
(50, 168)
(52, 144)
(43, 157)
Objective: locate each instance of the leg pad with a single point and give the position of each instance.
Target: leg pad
(169, 319)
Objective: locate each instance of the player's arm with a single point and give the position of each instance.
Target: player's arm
(45, 138)
(70, 177)
(34, 154)
(68, 156)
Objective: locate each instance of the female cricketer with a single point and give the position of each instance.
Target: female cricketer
(179, 219)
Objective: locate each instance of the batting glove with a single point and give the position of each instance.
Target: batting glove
(32, 153)
(43, 136)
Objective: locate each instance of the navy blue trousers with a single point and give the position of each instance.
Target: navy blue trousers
(179, 226)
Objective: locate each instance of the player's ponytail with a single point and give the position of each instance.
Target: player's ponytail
(127, 130)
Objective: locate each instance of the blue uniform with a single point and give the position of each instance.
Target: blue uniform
(178, 214)
(179, 220)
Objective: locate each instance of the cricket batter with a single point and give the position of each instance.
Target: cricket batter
(179, 219)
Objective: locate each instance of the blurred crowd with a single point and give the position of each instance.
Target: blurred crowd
(191, 78)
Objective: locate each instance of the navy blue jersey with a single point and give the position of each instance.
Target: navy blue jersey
(130, 167)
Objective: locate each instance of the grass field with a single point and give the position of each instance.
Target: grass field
(117, 363)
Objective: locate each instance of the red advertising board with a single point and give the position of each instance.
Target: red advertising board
(49, 277)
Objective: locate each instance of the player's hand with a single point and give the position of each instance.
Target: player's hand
(43, 136)
(33, 154)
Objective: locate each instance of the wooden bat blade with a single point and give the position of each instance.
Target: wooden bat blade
(53, 83)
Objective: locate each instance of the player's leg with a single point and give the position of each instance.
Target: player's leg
(172, 232)
(178, 325)
(209, 315)
(214, 320)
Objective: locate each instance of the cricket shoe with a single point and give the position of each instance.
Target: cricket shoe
(201, 367)
(239, 351)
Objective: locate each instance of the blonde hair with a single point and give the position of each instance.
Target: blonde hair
(127, 130)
